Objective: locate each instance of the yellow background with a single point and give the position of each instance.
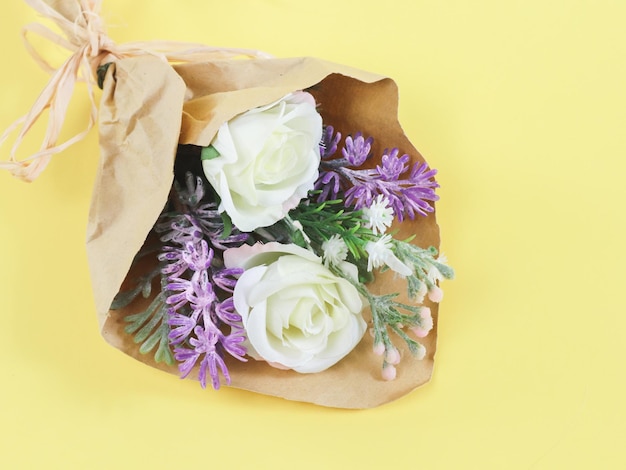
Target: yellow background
(521, 105)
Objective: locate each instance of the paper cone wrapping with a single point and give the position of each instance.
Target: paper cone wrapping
(149, 107)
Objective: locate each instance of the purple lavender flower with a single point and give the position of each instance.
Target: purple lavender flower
(204, 324)
(196, 219)
(329, 182)
(197, 316)
(408, 195)
(392, 166)
(205, 343)
(211, 343)
(182, 326)
(421, 190)
(181, 229)
(197, 256)
(226, 279)
(356, 150)
(330, 140)
(232, 344)
(174, 265)
(226, 312)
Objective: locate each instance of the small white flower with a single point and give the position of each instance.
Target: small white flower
(335, 250)
(378, 216)
(433, 274)
(380, 253)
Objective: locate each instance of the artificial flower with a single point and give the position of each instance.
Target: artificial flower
(426, 323)
(297, 314)
(381, 254)
(264, 161)
(291, 293)
(335, 251)
(379, 215)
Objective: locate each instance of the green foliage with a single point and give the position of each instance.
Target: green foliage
(149, 327)
(209, 153)
(421, 261)
(228, 225)
(143, 287)
(322, 220)
(312, 223)
(387, 312)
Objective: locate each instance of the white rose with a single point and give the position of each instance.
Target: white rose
(268, 160)
(297, 314)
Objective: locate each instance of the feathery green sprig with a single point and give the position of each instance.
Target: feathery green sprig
(322, 220)
(427, 269)
(148, 327)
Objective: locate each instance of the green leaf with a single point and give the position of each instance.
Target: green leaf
(445, 270)
(144, 286)
(228, 225)
(123, 299)
(209, 153)
(164, 353)
(150, 328)
(414, 285)
(413, 345)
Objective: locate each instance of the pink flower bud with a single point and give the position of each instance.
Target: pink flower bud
(419, 332)
(379, 349)
(389, 372)
(421, 353)
(426, 314)
(435, 294)
(393, 356)
(426, 324)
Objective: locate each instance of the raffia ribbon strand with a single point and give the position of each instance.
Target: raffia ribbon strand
(90, 47)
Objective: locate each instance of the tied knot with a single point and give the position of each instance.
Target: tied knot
(94, 40)
(90, 47)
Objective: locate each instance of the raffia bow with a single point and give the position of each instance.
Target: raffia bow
(90, 46)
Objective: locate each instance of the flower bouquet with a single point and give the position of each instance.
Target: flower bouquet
(264, 224)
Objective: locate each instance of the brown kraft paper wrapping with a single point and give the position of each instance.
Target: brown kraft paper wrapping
(148, 107)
